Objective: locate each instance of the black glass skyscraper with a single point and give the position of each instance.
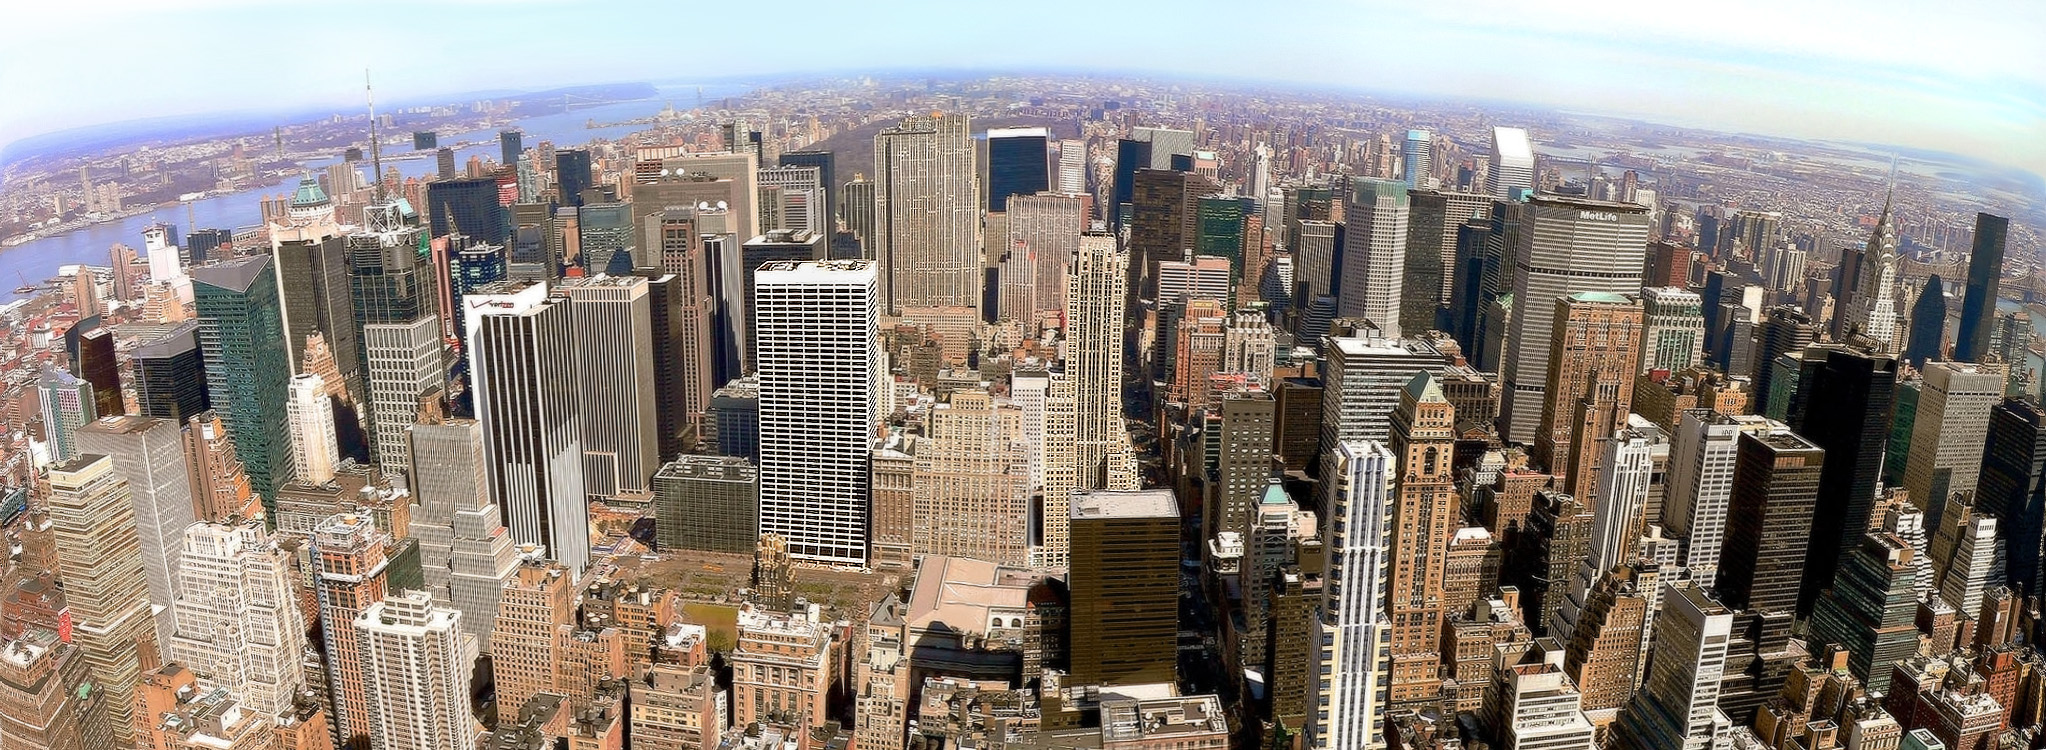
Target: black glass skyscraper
(1928, 323)
(826, 176)
(1786, 330)
(170, 375)
(97, 364)
(572, 175)
(510, 143)
(1018, 163)
(2012, 487)
(1843, 405)
(1130, 156)
(467, 206)
(1985, 273)
(313, 278)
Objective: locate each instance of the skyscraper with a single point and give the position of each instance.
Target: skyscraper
(613, 327)
(1086, 443)
(1362, 382)
(522, 359)
(572, 176)
(972, 482)
(1866, 303)
(511, 143)
(313, 446)
(1416, 164)
(1948, 433)
(1869, 608)
(1125, 588)
(416, 665)
(1424, 496)
(1843, 406)
(464, 555)
(248, 366)
(1432, 225)
(2012, 489)
(1512, 165)
(1374, 254)
(927, 212)
(1070, 173)
(1699, 485)
(1018, 163)
(96, 362)
(1044, 233)
(350, 574)
(67, 405)
(827, 178)
(1769, 527)
(1594, 354)
(149, 455)
(1564, 246)
(41, 678)
(239, 620)
(1985, 275)
(1673, 334)
(313, 283)
(390, 275)
(1355, 630)
(526, 643)
(707, 503)
(105, 589)
(170, 375)
(468, 206)
(1786, 330)
(1677, 705)
(818, 366)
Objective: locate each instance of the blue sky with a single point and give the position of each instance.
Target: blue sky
(1967, 76)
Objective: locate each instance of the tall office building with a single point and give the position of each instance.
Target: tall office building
(1124, 588)
(313, 283)
(927, 213)
(1424, 519)
(2012, 489)
(1374, 254)
(1314, 261)
(1769, 526)
(170, 375)
(350, 574)
(818, 367)
(1044, 234)
(792, 198)
(690, 304)
(97, 363)
(248, 366)
(1673, 334)
(673, 428)
(510, 144)
(1843, 406)
(972, 482)
(149, 455)
(1433, 220)
(220, 488)
(1564, 246)
(1512, 167)
(522, 360)
(313, 446)
(416, 664)
(708, 504)
(468, 206)
(1361, 385)
(527, 643)
(613, 326)
(1699, 485)
(1677, 705)
(1242, 464)
(1871, 308)
(1416, 162)
(391, 278)
(1948, 432)
(1594, 354)
(1786, 330)
(1355, 629)
(1870, 607)
(465, 556)
(93, 522)
(1533, 703)
(239, 620)
(1018, 163)
(1928, 324)
(1070, 171)
(67, 405)
(572, 176)
(827, 179)
(858, 207)
(1086, 442)
(1164, 222)
(1985, 275)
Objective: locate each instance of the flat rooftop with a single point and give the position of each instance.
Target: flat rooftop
(1125, 504)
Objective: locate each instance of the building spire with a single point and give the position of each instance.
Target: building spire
(376, 151)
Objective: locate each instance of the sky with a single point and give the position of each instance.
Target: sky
(1966, 76)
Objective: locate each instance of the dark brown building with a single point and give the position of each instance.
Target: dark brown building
(1125, 587)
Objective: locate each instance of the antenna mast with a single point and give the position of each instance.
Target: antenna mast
(376, 151)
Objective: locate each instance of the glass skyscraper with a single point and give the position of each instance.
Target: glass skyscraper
(1018, 163)
(248, 366)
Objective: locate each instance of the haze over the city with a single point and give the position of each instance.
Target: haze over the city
(1967, 77)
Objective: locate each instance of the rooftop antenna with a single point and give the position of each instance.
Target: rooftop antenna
(376, 151)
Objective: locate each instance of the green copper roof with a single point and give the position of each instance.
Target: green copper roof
(1609, 298)
(309, 193)
(1423, 387)
(1274, 495)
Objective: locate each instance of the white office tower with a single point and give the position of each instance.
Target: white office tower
(1616, 528)
(817, 325)
(164, 264)
(149, 454)
(1513, 163)
(1028, 390)
(1165, 144)
(1416, 159)
(464, 554)
(613, 324)
(927, 213)
(313, 446)
(1699, 484)
(1374, 253)
(1783, 269)
(1354, 629)
(1674, 335)
(1533, 705)
(1044, 233)
(239, 621)
(1249, 345)
(1361, 383)
(1677, 707)
(403, 362)
(1947, 435)
(793, 198)
(1072, 165)
(522, 369)
(416, 664)
(1972, 566)
(1086, 445)
(1566, 246)
(1260, 172)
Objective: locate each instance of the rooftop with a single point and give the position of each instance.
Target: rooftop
(1125, 504)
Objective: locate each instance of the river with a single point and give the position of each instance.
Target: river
(39, 259)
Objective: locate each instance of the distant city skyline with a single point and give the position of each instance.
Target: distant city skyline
(1965, 77)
